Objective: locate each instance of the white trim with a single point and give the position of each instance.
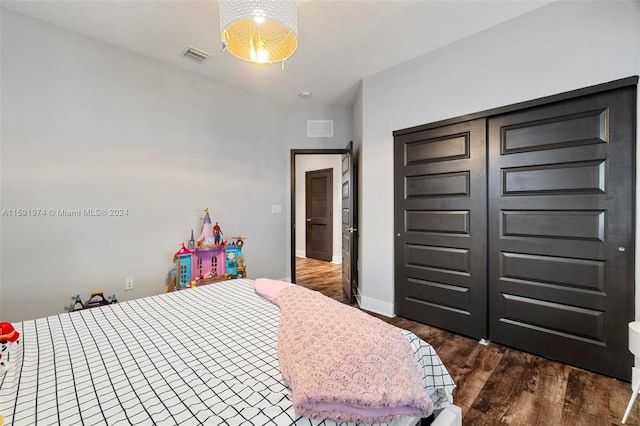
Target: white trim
(377, 306)
(336, 259)
(301, 253)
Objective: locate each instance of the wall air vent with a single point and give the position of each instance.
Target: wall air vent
(319, 128)
(196, 54)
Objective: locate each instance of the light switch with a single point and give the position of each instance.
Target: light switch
(276, 208)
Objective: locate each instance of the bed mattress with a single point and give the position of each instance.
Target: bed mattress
(200, 356)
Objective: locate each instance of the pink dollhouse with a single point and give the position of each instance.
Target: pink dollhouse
(206, 259)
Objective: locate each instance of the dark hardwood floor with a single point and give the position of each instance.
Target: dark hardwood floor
(497, 385)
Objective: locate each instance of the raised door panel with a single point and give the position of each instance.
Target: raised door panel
(440, 222)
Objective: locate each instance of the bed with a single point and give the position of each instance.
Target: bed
(206, 355)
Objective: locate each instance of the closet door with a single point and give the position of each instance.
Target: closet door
(561, 209)
(441, 227)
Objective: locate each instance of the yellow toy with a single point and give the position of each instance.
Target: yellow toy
(241, 269)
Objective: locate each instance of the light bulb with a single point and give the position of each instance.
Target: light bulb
(259, 16)
(263, 56)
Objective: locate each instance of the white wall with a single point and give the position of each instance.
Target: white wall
(89, 125)
(557, 48)
(306, 163)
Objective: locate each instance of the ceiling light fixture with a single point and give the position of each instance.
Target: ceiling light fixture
(259, 31)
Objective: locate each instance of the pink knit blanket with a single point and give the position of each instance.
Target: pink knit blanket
(344, 364)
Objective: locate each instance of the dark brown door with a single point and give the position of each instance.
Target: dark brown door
(319, 214)
(441, 227)
(349, 230)
(561, 230)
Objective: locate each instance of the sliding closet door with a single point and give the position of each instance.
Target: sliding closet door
(561, 209)
(440, 226)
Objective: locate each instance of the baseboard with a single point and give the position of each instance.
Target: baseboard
(377, 306)
(336, 259)
(301, 253)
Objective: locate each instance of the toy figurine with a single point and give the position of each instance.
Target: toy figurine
(239, 241)
(8, 341)
(242, 270)
(217, 232)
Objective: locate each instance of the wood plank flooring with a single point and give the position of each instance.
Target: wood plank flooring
(497, 385)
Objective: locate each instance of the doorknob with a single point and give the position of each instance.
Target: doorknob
(351, 229)
(308, 220)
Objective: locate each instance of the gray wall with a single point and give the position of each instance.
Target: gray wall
(296, 125)
(89, 125)
(557, 48)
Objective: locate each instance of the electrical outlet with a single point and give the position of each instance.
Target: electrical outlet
(128, 283)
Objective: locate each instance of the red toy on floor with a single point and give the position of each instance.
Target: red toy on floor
(8, 339)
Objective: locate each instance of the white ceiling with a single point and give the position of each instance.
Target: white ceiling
(340, 42)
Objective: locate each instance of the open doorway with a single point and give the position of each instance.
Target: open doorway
(333, 270)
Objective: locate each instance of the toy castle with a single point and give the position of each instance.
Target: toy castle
(208, 259)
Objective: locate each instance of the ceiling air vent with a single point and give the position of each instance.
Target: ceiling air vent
(196, 54)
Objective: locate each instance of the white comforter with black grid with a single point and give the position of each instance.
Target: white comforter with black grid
(199, 356)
